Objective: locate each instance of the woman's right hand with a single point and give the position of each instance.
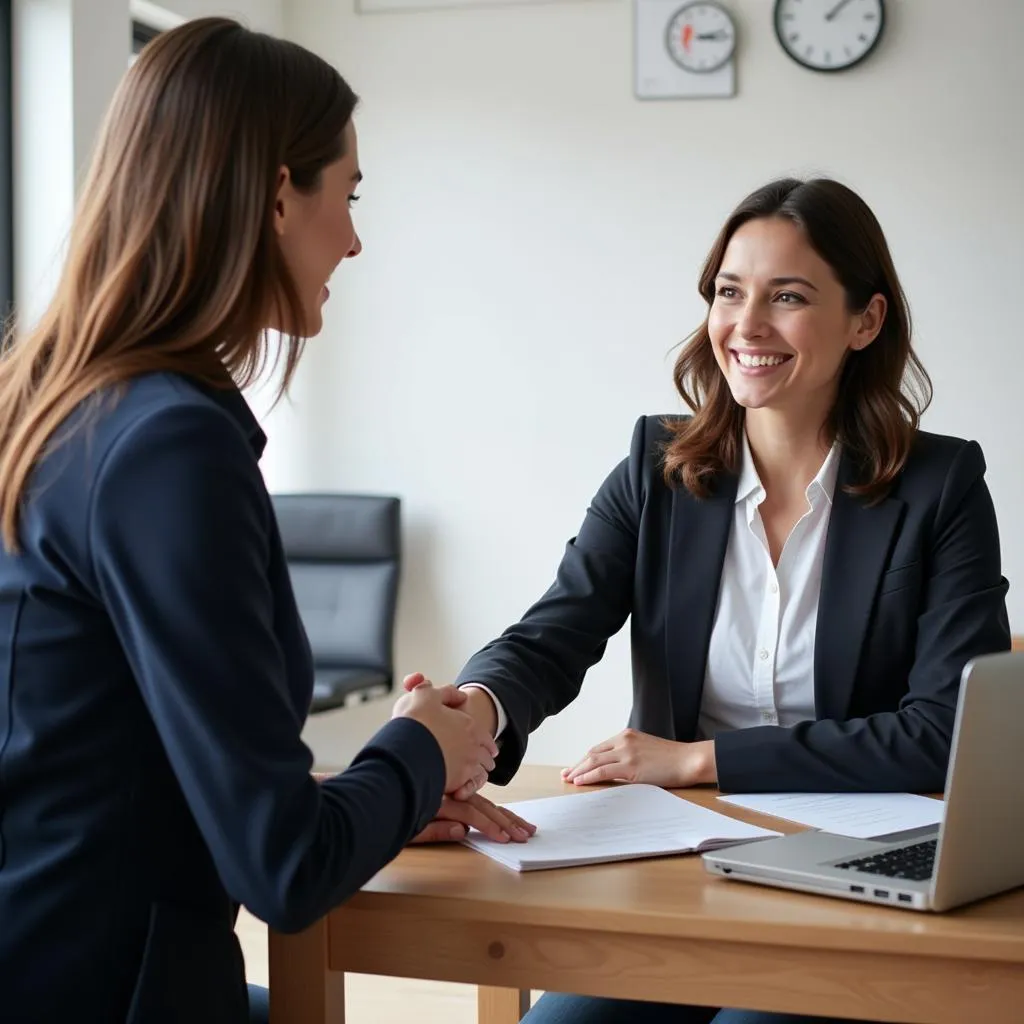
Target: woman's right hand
(468, 749)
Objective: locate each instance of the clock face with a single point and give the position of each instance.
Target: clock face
(829, 35)
(700, 37)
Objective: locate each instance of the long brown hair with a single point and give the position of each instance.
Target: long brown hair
(173, 262)
(883, 389)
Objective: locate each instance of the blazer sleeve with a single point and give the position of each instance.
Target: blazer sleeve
(962, 615)
(180, 531)
(536, 667)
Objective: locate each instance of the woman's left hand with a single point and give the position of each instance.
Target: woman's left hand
(456, 817)
(633, 756)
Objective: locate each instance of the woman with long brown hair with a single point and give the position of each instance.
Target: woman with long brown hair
(806, 571)
(155, 674)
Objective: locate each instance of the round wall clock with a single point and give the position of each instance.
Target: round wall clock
(701, 36)
(829, 35)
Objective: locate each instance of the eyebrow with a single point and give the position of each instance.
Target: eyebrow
(775, 282)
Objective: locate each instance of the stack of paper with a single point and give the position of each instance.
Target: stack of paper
(620, 823)
(861, 815)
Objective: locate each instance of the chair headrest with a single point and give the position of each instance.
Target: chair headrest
(338, 527)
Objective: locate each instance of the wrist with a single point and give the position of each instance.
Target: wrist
(708, 765)
(480, 708)
(697, 764)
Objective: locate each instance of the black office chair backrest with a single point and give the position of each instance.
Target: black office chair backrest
(344, 557)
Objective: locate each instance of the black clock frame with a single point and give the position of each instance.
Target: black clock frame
(842, 67)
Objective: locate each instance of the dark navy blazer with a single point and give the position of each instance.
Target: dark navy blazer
(154, 679)
(911, 590)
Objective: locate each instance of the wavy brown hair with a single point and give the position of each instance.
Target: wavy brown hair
(883, 388)
(173, 262)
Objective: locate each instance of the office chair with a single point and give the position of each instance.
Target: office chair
(344, 558)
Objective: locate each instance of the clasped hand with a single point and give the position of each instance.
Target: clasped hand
(466, 767)
(634, 756)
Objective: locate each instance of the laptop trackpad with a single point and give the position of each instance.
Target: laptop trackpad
(802, 849)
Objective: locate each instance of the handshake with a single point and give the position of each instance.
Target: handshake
(463, 725)
(467, 745)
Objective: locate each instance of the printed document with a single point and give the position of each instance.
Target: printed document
(620, 823)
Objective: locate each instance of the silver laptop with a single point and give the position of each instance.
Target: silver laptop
(978, 849)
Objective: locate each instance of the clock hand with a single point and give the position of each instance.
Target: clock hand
(708, 37)
(835, 10)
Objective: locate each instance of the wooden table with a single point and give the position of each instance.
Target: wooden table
(657, 929)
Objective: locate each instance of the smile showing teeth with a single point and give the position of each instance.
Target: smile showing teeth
(748, 360)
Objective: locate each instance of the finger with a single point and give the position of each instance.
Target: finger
(452, 696)
(465, 791)
(470, 814)
(470, 786)
(600, 748)
(515, 826)
(591, 762)
(441, 832)
(410, 682)
(521, 823)
(614, 772)
(581, 766)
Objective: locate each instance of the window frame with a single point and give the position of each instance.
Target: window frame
(6, 161)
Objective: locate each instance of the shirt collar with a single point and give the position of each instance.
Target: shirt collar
(750, 485)
(825, 480)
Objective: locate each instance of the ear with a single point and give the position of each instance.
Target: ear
(869, 322)
(282, 199)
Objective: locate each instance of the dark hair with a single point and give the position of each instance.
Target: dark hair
(883, 388)
(173, 261)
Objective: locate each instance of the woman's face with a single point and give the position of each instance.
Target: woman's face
(779, 324)
(315, 230)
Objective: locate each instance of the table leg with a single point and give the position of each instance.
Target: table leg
(501, 1005)
(303, 990)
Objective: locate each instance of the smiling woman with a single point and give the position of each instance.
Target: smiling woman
(156, 674)
(807, 324)
(805, 571)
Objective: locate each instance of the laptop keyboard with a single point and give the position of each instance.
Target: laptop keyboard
(914, 862)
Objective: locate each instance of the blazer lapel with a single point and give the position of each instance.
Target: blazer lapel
(698, 536)
(856, 553)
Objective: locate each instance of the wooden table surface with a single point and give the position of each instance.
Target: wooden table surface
(659, 929)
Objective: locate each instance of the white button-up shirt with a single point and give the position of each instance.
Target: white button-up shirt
(760, 668)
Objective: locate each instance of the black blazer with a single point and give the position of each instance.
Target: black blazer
(154, 679)
(911, 590)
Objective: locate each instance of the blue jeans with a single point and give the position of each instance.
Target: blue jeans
(259, 1005)
(556, 1008)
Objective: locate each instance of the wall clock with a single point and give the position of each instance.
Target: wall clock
(829, 35)
(700, 36)
(684, 49)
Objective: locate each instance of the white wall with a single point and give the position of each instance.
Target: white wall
(532, 239)
(68, 58)
(263, 15)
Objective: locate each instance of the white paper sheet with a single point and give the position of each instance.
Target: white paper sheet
(619, 823)
(860, 815)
